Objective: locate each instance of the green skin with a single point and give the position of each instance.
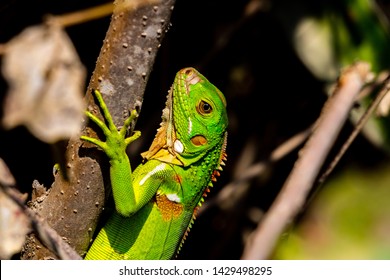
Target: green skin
(156, 204)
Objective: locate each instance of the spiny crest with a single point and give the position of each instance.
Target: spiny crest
(214, 176)
(165, 112)
(223, 157)
(160, 140)
(186, 233)
(168, 107)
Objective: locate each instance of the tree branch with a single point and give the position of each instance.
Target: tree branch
(297, 186)
(73, 206)
(358, 128)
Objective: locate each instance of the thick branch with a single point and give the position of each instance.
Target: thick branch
(73, 207)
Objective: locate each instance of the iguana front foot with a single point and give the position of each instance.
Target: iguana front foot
(115, 140)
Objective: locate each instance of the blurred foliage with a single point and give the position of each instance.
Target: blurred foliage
(274, 61)
(334, 34)
(361, 32)
(330, 35)
(349, 219)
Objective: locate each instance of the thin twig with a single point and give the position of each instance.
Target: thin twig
(82, 16)
(359, 126)
(297, 186)
(93, 13)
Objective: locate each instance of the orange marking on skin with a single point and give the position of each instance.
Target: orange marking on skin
(178, 178)
(168, 209)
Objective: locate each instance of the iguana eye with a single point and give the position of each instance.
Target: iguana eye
(204, 108)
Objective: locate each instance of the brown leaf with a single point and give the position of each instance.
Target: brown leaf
(14, 225)
(46, 83)
(6, 177)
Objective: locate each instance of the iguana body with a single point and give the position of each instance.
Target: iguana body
(156, 204)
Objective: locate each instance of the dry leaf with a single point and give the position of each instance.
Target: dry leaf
(6, 177)
(384, 106)
(46, 83)
(14, 225)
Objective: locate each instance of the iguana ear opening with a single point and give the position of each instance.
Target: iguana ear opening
(198, 140)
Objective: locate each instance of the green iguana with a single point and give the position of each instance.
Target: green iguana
(157, 203)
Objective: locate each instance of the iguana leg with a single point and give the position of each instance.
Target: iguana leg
(115, 149)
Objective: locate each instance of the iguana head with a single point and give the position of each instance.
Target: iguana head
(193, 122)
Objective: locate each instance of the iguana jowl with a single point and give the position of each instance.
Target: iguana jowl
(156, 204)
